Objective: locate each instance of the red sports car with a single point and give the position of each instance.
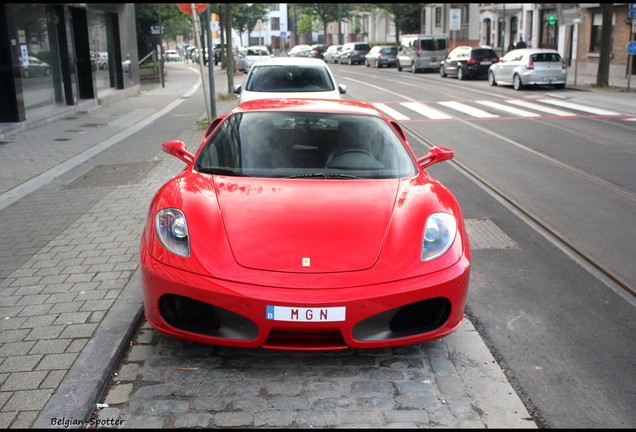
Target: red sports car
(305, 225)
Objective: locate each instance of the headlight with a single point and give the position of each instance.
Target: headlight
(172, 231)
(439, 234)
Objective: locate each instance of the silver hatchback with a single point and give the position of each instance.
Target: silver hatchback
(529, 66)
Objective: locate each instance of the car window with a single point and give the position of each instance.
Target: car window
(257, 51)
(362, 47)
(284, 78)
(545, 57)
(483, 54)
(389, 50)
(433, 44)
(308, 145)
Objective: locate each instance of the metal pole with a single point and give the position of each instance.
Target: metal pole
(197, 41)
(576, 49)
(339, 24)
(161, 59)
(503, 31)
(208, 19)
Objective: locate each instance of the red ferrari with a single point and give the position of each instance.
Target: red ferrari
(305, 225)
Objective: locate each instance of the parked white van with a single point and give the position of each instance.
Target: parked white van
(421, 52)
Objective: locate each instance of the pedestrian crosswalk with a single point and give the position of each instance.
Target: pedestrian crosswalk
(489, 109)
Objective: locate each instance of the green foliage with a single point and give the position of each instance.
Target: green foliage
(173, 21)
(245, 16)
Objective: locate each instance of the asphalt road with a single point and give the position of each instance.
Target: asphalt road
(563, 172)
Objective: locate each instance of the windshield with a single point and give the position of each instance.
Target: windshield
(305, 145)
(257, 52)
(285, 78)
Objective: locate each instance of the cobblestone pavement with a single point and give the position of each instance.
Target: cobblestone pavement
(166, 383)
(70, 303)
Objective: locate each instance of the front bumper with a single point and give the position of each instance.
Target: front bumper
(207, 310)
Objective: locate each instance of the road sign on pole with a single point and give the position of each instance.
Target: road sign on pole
(631, 48)
(186, 8)
(455, 19)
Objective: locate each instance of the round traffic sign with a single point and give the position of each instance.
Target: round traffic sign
(186, 8)
(631, 48)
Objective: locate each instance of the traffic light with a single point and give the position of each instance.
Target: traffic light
(552, 20)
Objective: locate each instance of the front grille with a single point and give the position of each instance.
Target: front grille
(408, 320)
(305, 341)
(422, 316)
(195, 316)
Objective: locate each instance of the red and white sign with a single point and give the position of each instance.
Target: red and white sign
(186, 8)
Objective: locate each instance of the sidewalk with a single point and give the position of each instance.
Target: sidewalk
(70, 301)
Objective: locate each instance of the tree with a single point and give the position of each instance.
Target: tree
(405, 15)
(245, 16)
(173, 21)
(602, 75)
(325, 12)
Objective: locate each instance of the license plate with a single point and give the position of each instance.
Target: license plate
(299, 314)
(486, 62)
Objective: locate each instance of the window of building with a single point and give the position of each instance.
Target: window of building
(465, 21)
(549, 37)
(275, 23)
(438, 17)
(39, 55)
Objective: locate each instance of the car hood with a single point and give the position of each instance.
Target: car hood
(309, 226)
(251, 95)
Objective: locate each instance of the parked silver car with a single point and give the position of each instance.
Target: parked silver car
(529, 66)
(332, 53)
(381, 56)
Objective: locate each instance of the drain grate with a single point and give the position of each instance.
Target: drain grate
(112, 175)
(484, 234)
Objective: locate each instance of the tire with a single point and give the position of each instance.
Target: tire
(460, 73)
(442, 72)
(399, 66)
(491, 79)
(516, 82)
(366, 63)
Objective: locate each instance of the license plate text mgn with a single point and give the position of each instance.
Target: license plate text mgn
(298, 314)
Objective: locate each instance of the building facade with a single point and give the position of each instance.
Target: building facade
(55, 56)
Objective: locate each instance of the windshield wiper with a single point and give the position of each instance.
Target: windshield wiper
(324, 176)
(223, 171)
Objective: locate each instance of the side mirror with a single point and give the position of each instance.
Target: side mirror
(435, 155)
(237, 89)
(342, 88)
(178, 148)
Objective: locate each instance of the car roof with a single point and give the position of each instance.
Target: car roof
(340, 106)
(303, 61)
(535, 50)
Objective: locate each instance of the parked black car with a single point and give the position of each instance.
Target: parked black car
(317, 51)
(468, 62)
